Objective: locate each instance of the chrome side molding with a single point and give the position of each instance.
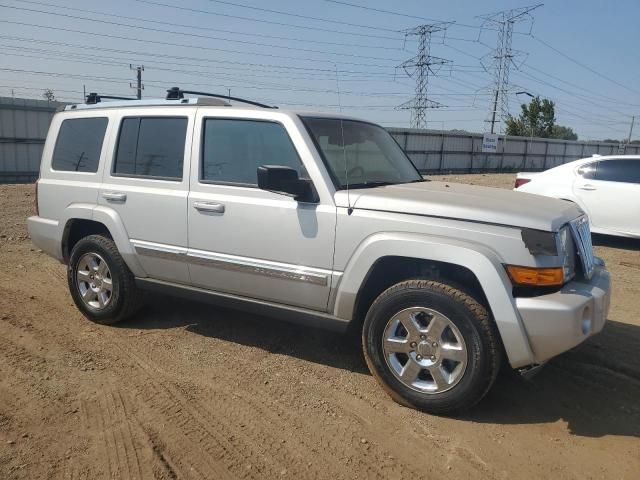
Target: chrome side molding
(316, 276)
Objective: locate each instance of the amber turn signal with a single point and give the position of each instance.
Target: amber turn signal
(536, 277)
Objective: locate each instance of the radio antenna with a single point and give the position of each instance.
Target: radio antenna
(344, 147)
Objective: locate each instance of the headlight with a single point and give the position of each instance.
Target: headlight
(547, 244)
(567, 250)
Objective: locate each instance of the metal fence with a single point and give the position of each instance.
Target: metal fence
(24, 124)
(443, 151)
(23, 129)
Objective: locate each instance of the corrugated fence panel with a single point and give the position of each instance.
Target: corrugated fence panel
(23, 130)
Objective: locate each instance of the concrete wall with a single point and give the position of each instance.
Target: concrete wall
(24, 124)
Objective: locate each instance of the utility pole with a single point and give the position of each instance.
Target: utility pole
(421, 66)
(633, 119)
(499, 61)
(139, 86)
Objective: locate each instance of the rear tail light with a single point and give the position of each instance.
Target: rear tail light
(36, 199)
(521, 181)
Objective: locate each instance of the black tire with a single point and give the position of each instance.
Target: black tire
(125, 297)
(472, 321)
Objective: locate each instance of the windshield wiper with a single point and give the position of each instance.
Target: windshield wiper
(369, 184)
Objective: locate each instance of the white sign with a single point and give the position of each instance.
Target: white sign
(621, 149)
(490, 143)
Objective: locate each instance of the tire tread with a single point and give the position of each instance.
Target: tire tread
(132, 299)
(483, 321)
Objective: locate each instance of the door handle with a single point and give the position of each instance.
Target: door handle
(587, 187)
(209, 207)
(115, 196)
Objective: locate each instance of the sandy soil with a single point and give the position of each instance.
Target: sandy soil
(189, 391)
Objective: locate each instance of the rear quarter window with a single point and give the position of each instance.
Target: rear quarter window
(79, 144)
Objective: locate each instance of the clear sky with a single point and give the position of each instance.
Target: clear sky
(582, 54)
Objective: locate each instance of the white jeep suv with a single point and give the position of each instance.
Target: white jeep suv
(322, 220)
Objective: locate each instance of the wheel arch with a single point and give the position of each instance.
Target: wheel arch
(77, 228)
(475, 268)
(83, 220)
(389, 270)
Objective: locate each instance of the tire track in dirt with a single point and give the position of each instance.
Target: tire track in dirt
(219, 443)
(339, 440)
(240, 404)
(377, 454)
(120, 442)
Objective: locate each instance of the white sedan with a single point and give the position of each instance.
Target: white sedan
(607, 188)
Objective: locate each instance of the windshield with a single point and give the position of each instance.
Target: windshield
(370, 156)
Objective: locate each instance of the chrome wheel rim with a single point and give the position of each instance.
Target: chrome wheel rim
(424, 350)
(94, 282)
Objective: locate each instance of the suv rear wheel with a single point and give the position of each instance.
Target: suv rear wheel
(102, 286)
(431, 346)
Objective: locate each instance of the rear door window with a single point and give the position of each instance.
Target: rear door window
(151, 147)
(79, 144)
(619, 170)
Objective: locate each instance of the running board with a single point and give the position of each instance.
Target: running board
(287, 313)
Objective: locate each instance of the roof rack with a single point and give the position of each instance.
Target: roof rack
(94, 98)
(176, 93)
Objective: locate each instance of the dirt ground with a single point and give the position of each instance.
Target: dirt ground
(191, 391)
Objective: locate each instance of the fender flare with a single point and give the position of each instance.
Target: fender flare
(112, 221)
(483, 262)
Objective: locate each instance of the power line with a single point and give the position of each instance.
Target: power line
(158, 42)
(256, 86)
(420, 67)
(306, 17)
(585, 99)
(184, 57)
(118, 61)
(270, 22)
(593, 92)
(210, 29)
(380, 10)
(391, 12)
(586, 67)
(196, 35)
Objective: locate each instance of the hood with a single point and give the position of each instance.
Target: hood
(465, 202)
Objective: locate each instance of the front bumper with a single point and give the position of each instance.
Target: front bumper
(559, 321)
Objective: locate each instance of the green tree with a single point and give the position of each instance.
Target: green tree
(563, 133)
(538, 119)
(535, 120)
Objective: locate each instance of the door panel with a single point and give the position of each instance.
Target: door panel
(610, 192)
(249, 242)
(147, 184)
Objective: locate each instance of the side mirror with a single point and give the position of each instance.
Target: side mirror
(285, 181)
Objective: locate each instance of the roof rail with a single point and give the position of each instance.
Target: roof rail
(94, 98)
(176, 93)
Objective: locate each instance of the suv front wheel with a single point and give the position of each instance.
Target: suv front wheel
(102, 286)
(431, 346)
